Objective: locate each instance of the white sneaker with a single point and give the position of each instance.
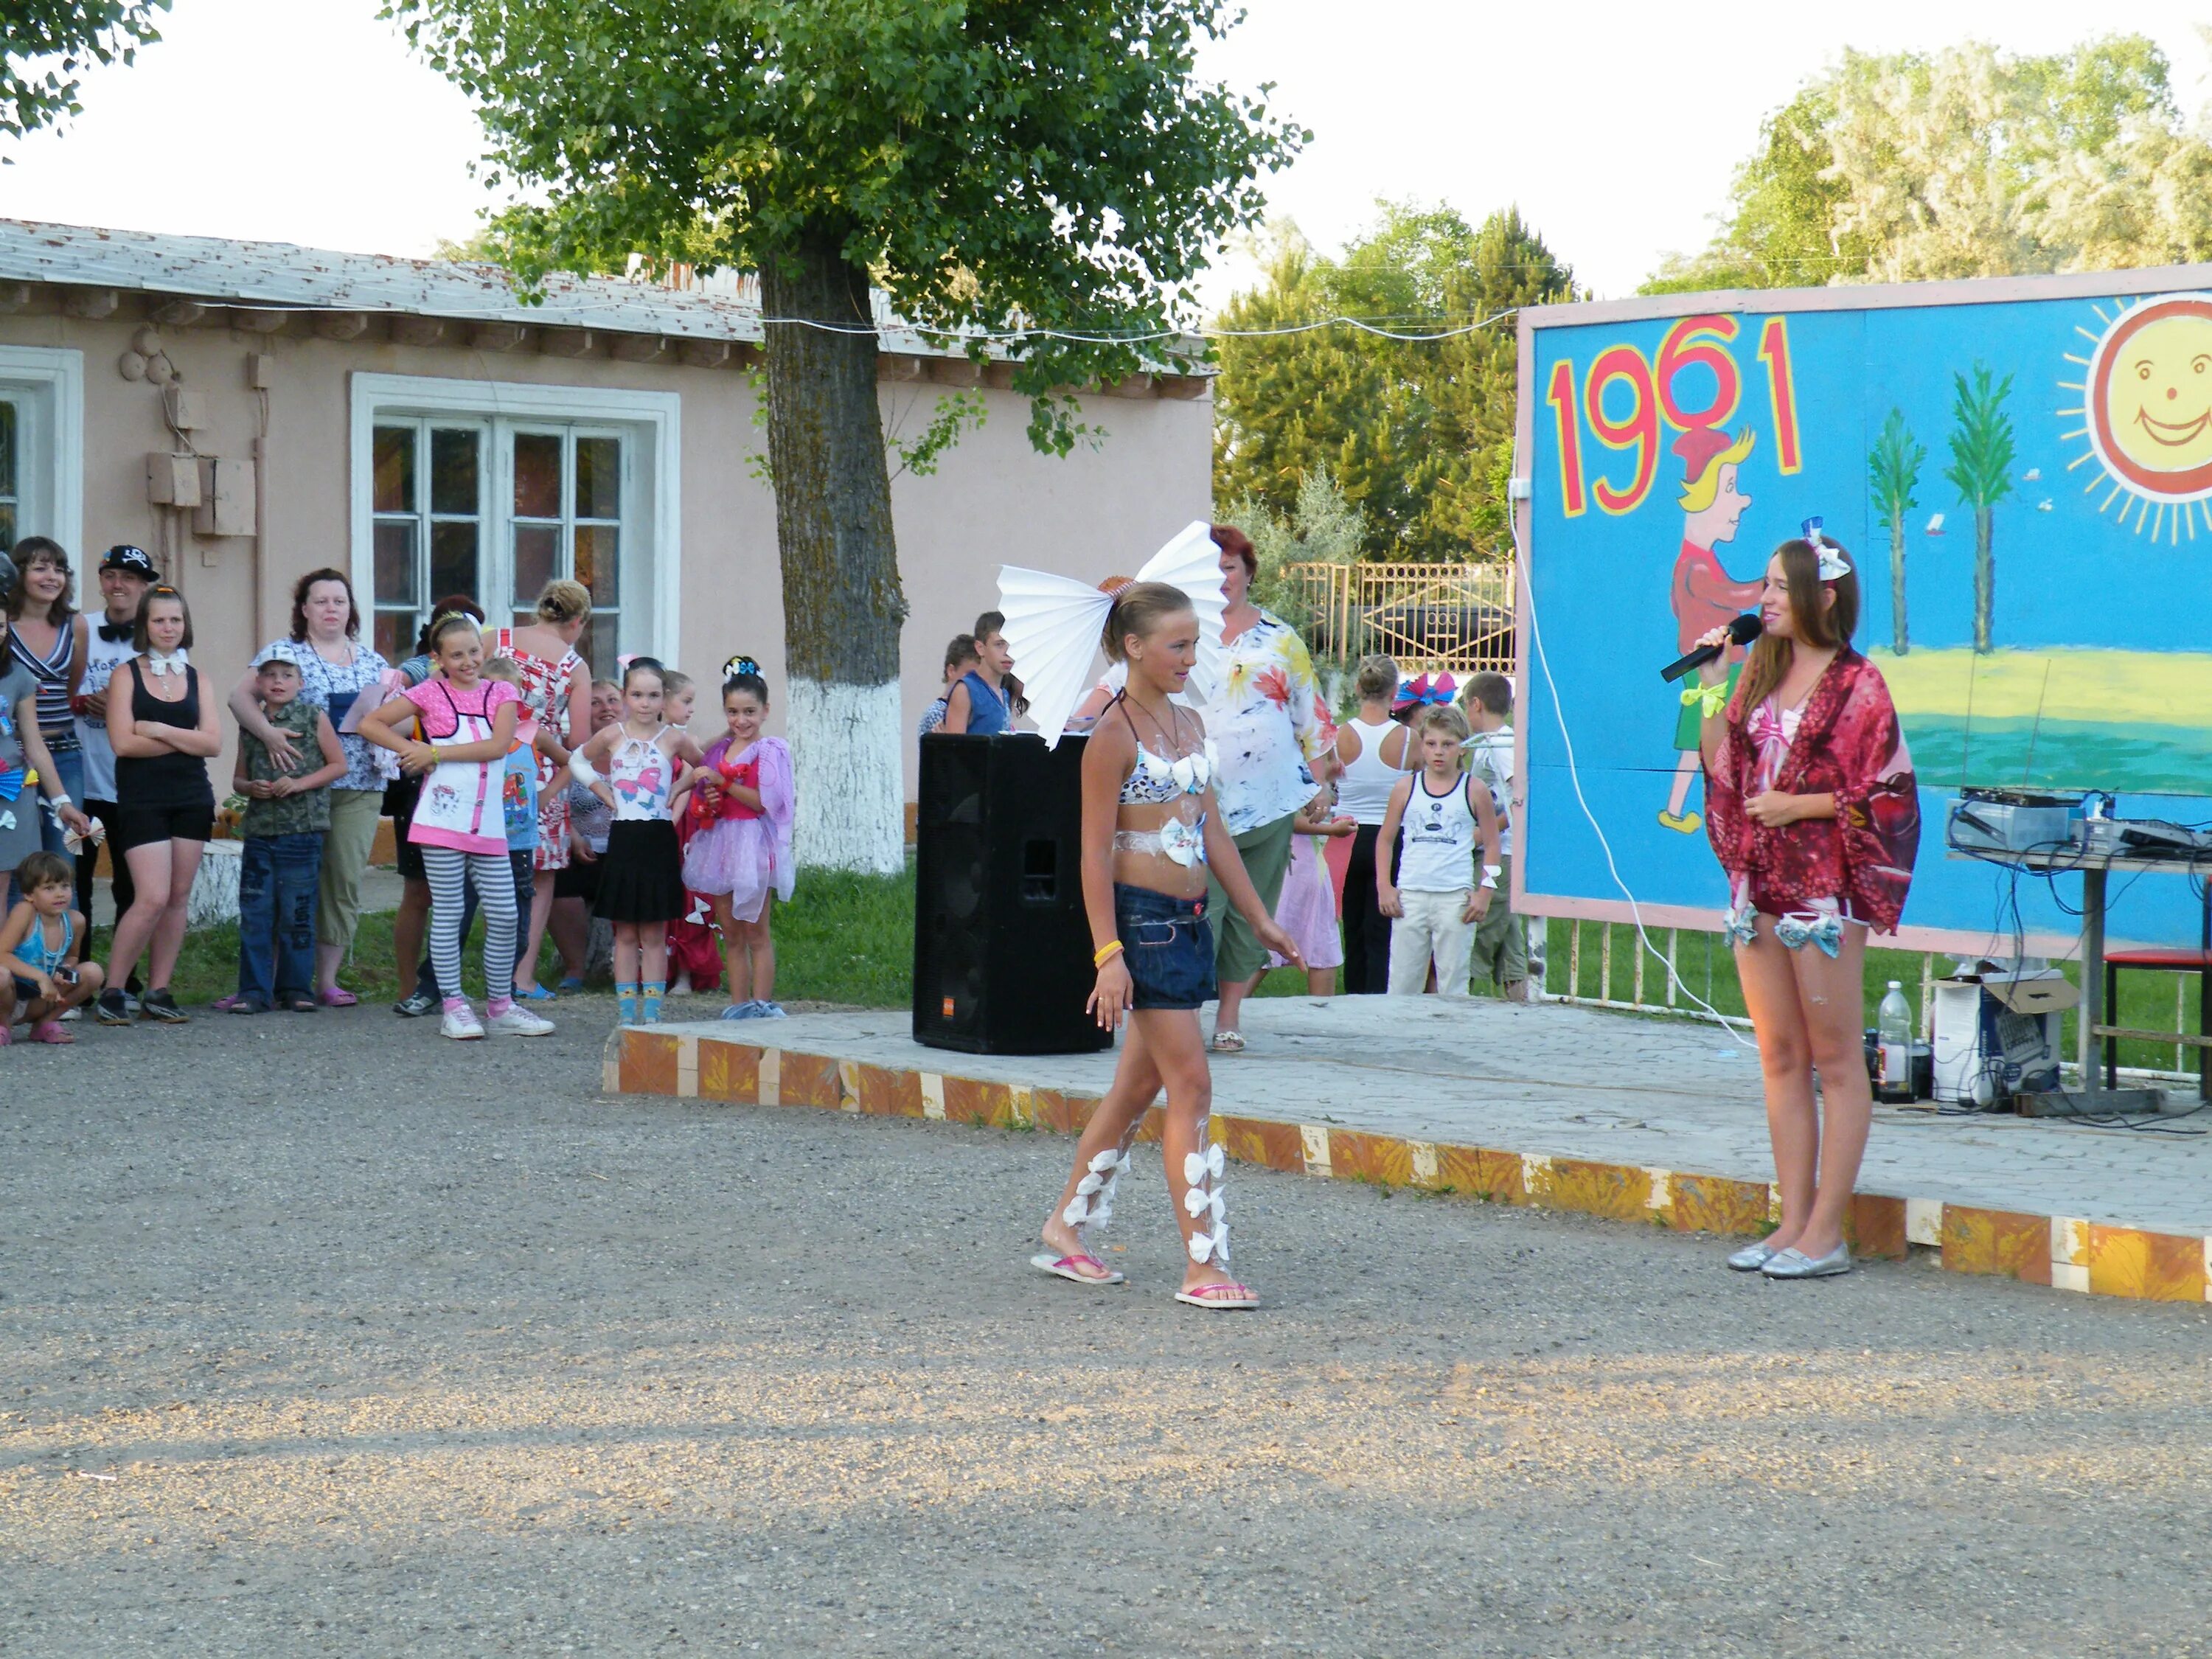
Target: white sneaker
(518, 1021)
(460, 1023)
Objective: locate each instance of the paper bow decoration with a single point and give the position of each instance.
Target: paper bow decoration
(1832, 562)
(1796, 930)
(1052, 624)
(1422, 689)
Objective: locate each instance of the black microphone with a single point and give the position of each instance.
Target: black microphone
(1743, 631)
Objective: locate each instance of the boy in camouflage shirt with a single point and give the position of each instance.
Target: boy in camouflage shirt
(287, 809)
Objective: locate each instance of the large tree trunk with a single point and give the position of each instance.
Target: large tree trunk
(842, 600)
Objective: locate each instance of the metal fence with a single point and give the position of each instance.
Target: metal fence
(1608, 961)
(1453, 617)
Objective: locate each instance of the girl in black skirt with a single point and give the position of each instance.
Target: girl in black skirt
(642, 874)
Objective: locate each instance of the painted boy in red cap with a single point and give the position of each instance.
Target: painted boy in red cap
(1703, 595)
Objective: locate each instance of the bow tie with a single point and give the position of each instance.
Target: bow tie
(158, 663)
(115, 632)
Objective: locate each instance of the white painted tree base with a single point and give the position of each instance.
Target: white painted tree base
(847, 753)
(213, 900)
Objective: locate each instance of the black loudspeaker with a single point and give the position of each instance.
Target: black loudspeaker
(1001, 945)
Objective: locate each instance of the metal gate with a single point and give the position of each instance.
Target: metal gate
(1454, 617)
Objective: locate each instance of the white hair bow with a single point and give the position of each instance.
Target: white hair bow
(1052, 624)
(1833, 564)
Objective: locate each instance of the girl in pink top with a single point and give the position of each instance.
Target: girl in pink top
(468, 726)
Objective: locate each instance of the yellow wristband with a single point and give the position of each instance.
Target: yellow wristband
(1104, 953)
(1709, 699)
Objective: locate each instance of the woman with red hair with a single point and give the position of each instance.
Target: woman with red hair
(1270, 725)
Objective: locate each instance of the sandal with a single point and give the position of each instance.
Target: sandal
(338, 997)
(300, 1002)
(1070, 1267)
(1220, 1296)
(50, 1031)
(1226, 1043)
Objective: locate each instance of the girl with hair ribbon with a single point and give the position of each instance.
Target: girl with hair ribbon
(740, 848)
(1813, 813)
(1151, 829)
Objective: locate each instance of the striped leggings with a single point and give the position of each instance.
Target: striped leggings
(449, 872)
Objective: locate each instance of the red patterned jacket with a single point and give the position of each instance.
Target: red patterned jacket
(1848, 744)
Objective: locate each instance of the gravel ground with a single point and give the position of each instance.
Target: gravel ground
(464, 1358)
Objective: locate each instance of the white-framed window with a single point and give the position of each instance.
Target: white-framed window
(42, 446)
(493, 489)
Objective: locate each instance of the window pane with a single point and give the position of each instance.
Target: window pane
(453, 559)
(453, 471)
(598, 644)
(395, 563)
(537, 560)
(394, 488)
(596, 549)
(599, 478)
(7, 526)
(536, 475)
(8, 457)
(395, 634)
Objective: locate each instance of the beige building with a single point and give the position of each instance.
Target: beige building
(247, 411)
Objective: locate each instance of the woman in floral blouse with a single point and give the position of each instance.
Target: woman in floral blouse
(1268, 725)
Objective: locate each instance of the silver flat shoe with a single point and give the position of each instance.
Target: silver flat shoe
(1752, 1257)
(1796, 1264)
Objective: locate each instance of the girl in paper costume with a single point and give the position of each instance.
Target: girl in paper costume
(1813, 813)
(1150, 830)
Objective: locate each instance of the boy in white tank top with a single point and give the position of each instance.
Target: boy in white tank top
(1436, 901)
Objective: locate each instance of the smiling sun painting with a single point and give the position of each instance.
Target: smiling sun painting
(2147, 404)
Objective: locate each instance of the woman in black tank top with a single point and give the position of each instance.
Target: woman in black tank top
(164, 733)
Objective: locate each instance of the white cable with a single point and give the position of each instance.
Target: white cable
(1574, 775)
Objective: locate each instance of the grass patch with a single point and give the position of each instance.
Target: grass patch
(2147, 1001)
(844, 937)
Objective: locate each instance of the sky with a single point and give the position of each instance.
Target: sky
(1613, 127)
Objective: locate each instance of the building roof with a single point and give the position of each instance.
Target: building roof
(283, 277)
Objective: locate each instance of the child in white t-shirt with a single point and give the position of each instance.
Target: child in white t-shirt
(1436, 901)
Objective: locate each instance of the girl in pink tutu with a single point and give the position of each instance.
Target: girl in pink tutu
(1307, 909)
(741, 850)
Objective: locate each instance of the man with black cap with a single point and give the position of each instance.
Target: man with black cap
(124, 575)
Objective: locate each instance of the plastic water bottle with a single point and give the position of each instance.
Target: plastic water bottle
(1894, 1030)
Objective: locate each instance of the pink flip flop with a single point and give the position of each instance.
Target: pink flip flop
(1068, 1266)
(50, 1031)
(1220, 1296)
(338, 997)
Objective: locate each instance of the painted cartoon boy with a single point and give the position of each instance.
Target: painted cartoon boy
(1703, 593)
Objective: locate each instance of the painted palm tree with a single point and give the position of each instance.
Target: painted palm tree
(1892, 473)
(1981, 468)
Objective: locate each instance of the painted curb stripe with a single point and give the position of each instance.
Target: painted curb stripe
(2064, 1252)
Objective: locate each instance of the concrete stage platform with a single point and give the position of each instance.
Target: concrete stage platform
(1638, 1119)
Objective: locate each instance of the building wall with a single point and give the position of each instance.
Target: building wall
(992, 501)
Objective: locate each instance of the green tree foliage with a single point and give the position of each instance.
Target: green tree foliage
(1892, 474)
(49, 44)
(988, 164)
(1981, 469)
(1418, 435)
(1321, 528)
(1965, 163)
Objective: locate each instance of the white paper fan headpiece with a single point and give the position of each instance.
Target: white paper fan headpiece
(1052, 624)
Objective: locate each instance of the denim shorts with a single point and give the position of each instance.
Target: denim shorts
(1168, 946)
